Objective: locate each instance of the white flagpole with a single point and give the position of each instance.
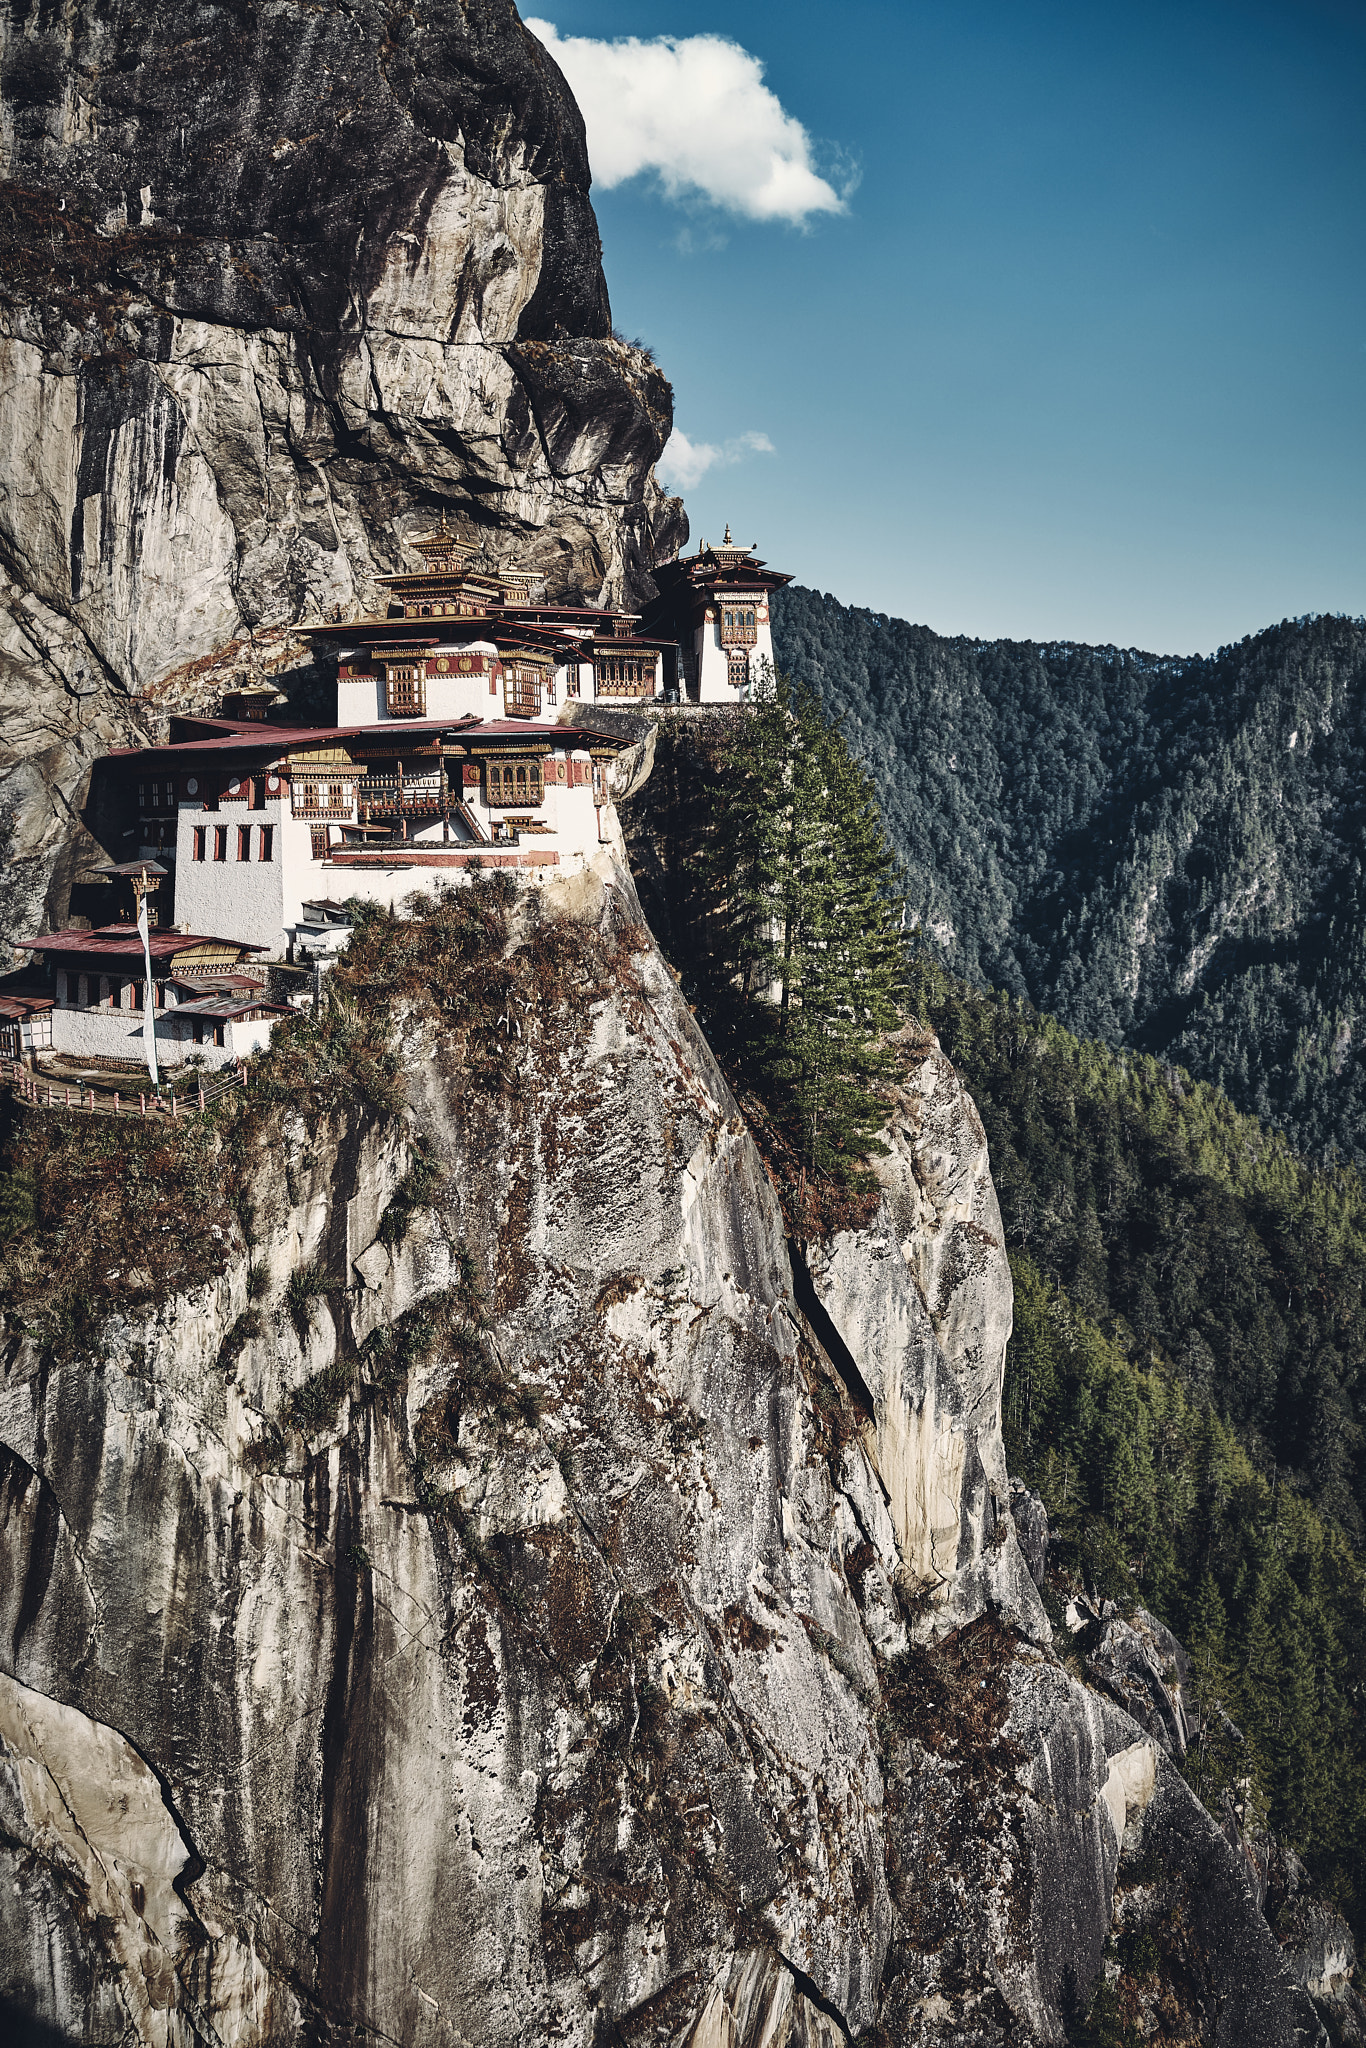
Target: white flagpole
(149, 1015)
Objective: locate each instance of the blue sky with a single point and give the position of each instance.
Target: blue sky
(1083, 353)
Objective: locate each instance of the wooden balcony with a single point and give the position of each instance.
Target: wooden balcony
(392, 796)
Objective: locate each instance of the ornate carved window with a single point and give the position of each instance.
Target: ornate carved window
(514, 782)
(737, 667)
(405, 689)
(624, 675)
(739, 627)
(522, 684)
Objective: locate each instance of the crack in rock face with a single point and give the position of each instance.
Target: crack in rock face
(276, 284)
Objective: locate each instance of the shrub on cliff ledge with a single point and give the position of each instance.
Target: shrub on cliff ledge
(93, 1211)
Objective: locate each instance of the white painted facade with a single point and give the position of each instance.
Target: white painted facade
(258, 902)
(711, 660)
(105, 1033)
(465, 680)
(470, 686)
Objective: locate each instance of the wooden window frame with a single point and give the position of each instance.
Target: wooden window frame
(501, 791)
(523, 688)
(625, 675)
(405, 689)
(244, 842)
(220, 842)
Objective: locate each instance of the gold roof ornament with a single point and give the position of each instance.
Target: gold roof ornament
(730, 551)
(442, 549)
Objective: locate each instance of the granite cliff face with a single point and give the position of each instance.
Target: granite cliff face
(505, 1626)
(275, 284)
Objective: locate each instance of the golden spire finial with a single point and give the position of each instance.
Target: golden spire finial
(727, 542)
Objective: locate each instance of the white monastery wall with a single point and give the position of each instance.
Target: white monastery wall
(109, 1034)
(361, 699)
(712, 664)
(232, 898)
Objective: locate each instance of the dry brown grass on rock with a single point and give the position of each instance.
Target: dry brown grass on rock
(116, 1212)
(94, 1212)
(953, 1697)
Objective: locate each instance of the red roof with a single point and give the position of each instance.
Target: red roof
(358, 629)
(241, 734)
(397, 733)
(124, 941)
(13, 1007)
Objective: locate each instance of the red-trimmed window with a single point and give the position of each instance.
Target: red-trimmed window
(405, 689)
(200, 835)
(244, 842)
(267, 842)
(522, 684)
(624, 675)
(220, 842)
(515, 782)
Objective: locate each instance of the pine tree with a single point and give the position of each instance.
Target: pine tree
(803, 925)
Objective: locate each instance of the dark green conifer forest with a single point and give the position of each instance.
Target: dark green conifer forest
(1164, 852)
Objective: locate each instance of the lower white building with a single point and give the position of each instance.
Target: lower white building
(203, 1007)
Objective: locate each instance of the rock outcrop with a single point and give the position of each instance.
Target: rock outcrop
(489, 1620)
(276, 284)
(920, 1300)
(1140, 1664)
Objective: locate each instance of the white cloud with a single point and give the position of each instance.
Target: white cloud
(685, 463)
(694, 110)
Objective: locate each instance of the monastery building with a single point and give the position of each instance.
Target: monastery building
(464, 733)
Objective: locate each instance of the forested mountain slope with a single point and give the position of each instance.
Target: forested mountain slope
(1164, 852)
(1183, 1387)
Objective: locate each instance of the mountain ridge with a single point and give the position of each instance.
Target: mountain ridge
(1160, 850)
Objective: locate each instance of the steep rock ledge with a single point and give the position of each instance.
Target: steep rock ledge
(921, 1298)
(503, 1634)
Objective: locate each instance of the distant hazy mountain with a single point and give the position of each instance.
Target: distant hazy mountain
(1164, 852)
